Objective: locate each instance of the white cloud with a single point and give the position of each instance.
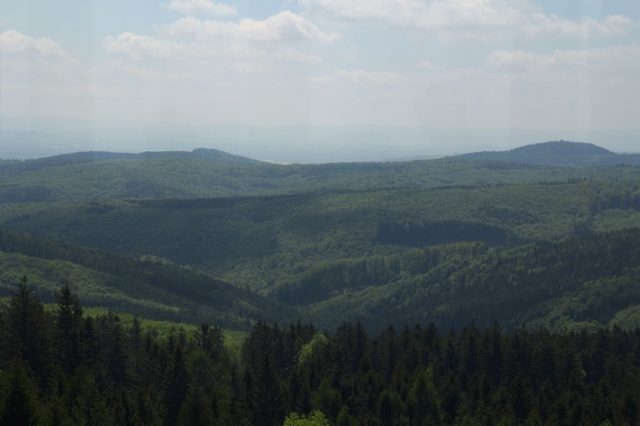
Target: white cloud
(285, 26)
(465, 17)
(205, 47)
(359, 76)
(614, 59)
(286, 68)
(540, 24)
(26, 60)
(192, 7)
(16, 42)
(139, 46)
(420, 13)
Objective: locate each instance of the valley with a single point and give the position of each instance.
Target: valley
(334, 255)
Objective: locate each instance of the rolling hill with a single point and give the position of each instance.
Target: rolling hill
(586, 282)
(255, 241)
(210, 173)
(558, 153)
(147, 287)
(403, 242)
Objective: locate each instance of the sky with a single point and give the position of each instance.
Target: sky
(421, 77)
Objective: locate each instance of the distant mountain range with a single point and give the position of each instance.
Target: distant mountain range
(213, 155)
(558, 153)
(210, 173)
(554, 153)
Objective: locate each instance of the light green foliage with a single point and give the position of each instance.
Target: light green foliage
(316, 418)
(317, 342)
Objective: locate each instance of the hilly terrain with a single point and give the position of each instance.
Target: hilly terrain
(560, 153)
(254, 241)
(210, 173)
(588, 282)
(206, 236)
(145, 287)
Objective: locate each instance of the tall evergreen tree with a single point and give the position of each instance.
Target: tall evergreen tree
(69, 324)
(28, 330)
(22, 406)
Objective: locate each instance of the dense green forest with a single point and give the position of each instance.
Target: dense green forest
(61, 367)
(463, 291)
(210, 173)
(451, 255)
(585, 280)
(145, 286)
(254, 241)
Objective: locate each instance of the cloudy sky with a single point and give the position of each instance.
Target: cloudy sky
(508, 65)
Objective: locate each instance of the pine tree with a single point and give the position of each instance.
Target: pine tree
(68, 323)
(22, 406)
(27, 330)
(424, 403)
(344, 418)
(176, 388)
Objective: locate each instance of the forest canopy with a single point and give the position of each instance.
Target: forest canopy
(60, 366)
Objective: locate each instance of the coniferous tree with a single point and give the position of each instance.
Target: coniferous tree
(28, 331)
(423, 400)
(22, 406)
(177, 387)
(68, 322)
(344, 418)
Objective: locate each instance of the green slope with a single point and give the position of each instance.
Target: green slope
(257, 241)
(322, 257)
(587, 282)
(205, 174)
(156, 290)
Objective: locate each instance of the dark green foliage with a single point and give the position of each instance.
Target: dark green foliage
(583, 282)
(68, 335)
(259, 242)
(587, 281)
(328, 279)
(437, 233)
(416, 376)
(424, 404)
(26, 331)
(21, 404)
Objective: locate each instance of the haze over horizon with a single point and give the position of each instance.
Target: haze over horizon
(317, 80)
(292, 144)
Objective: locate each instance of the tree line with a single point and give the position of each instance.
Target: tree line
(62, 367)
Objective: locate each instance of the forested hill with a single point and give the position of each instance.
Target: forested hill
(588, 282)
(148, 287)
(558, 153)
(88, 157)
(210, 173)
(256, 241)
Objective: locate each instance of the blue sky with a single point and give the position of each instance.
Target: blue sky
(464, 65)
